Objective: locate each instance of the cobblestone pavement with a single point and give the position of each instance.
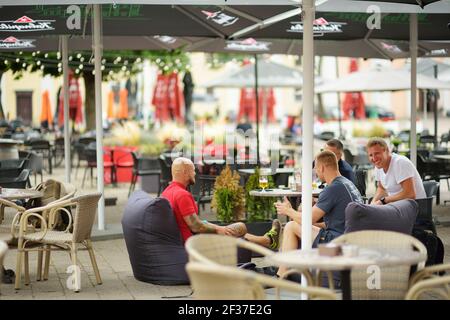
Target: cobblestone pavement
(115, 269)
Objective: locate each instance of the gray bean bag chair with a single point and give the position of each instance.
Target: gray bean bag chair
(153, 240)
(397, 216)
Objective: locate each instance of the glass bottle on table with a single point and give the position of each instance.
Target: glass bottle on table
(314, 180)
(298, 179)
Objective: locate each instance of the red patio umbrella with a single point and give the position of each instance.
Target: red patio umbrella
(168, 98)
(123, 106)
(354, 101)
(247, 104)
(46, 112)
(110, 109)
(75, 102)
(176, 100)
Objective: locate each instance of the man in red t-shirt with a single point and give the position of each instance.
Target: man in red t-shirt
(186, 211)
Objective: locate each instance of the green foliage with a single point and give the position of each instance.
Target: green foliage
(150, 145)
(228, 197)
(370, 129)
(217, 60)
(169, 61)
(258, 208)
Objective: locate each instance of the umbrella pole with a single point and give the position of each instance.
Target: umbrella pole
(257, 109)
(413, 52)
(65, 62)
(436, 111)
(307, 122)
(98, 114)
(339, 103)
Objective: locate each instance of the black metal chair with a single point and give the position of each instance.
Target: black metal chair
(427, 140)
(79, 149)
(58, 151)
(431, 188)
(360, 182)
(203, 189)
(90, 153)
(12, 163)
(166, 173)
(20, 182)
(445, 138)
(91, 158)
(42, 147)
(433, 169)
(425, 214)
(144, 167)
(349, 157)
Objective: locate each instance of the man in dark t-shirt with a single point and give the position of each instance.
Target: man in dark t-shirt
(331, 206)
(345, 169)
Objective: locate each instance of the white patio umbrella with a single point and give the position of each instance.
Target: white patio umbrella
(379, 80)
(270, 74)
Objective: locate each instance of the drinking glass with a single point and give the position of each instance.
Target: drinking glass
(263, 182)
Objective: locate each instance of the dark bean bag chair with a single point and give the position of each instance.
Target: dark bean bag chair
(397, 216)
(153, 240)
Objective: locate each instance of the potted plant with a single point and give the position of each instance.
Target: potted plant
(228, 198)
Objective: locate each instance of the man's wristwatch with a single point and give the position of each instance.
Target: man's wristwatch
(383, 200)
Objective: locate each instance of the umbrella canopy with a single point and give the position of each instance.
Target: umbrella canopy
(379, 80)
(359, 48)
(270, 74)
(220, 28)
(420, 3)
(218, 21)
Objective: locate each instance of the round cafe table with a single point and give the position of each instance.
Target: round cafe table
(281, 193)
(17, 194)
(445, 157)
(268, 171)
(310, 259)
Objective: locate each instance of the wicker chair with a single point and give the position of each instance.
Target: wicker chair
(428, 281)
(216, 282)
(3, 250)
(76, 233)
(219, 249)
(394, 280)
(223, 250)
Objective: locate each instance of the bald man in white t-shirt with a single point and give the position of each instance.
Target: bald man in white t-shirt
(396, 175)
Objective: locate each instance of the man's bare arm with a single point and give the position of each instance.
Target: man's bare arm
(408, 191)
(379, 193)
(198, 226)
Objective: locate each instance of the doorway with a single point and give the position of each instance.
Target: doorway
(24, 106)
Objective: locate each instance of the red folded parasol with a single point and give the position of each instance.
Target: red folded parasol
(354, 101)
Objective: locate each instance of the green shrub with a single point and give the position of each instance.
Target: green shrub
(228, 197)
(258, 208)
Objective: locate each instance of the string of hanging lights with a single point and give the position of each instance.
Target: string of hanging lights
(113, 64)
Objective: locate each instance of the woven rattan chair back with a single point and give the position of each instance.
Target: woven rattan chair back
(393, 280)
(221, 283)
(212, 248)
(86, 209)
